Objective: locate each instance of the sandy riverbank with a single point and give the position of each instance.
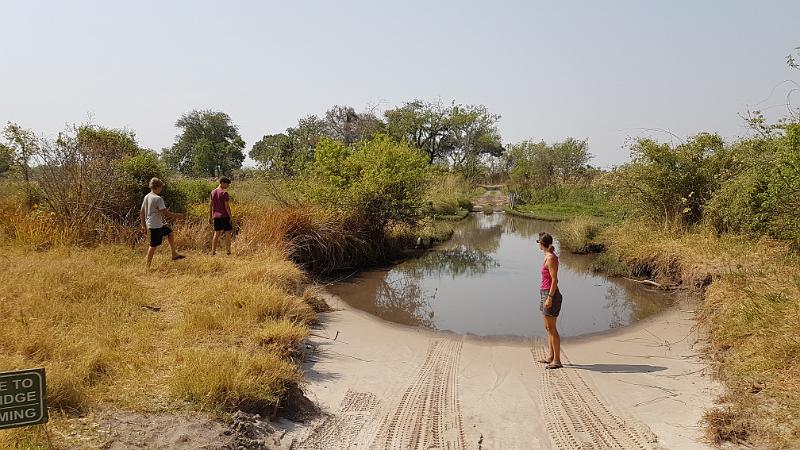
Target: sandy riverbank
(382, 385)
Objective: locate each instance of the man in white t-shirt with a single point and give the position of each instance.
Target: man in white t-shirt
(152, 216)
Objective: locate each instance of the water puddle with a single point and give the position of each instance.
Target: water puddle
(485, 281)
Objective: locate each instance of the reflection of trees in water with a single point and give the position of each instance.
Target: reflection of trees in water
(617, 306)
(628, 302)
(479, 232)
(456, 262)
(401, 298)
(526, 228)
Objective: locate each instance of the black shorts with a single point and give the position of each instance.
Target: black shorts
(157, 235)
(222, 224)
(555, 307)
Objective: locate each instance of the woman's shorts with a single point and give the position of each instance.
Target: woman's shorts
(223, 224)
(555, 307)
(157, 235)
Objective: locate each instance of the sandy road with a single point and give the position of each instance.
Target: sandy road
(384, 386)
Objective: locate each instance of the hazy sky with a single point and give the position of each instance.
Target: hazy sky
(597, 70)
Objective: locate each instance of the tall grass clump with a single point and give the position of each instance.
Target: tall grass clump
(450, 195)
(231, 379)
(579, 234)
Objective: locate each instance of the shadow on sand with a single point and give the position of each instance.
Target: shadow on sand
(617, 368)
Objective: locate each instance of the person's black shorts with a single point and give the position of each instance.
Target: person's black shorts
(223, 224)
(157, 235)
(555, 307)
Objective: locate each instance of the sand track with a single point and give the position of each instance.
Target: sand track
(426, 414)
(576, 418)
(387, 386)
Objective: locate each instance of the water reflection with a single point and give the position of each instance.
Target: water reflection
(485, 281)
(453, 262)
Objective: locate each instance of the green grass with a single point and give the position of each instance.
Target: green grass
(556, 212)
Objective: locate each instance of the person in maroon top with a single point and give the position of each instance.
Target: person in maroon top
(219, 212)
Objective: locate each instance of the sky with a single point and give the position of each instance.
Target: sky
(604, 71)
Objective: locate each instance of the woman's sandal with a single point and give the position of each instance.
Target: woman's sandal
(544, 361)
(553, 366)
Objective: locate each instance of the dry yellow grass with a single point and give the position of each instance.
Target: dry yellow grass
(211, 331)
(751, 307)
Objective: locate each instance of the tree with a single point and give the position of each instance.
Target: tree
(210, 145)
(457, 134)
(474, 133)
(423, 125)
(289, 153)
(571, 158)
(274, 153)
(24, 146)
(344, 124)
(6, 159)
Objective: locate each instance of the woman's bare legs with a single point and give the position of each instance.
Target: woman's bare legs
(549, 357)
(554, 339)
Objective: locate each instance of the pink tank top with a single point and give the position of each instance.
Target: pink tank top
(547, 282)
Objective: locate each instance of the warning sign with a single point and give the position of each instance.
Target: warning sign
(22, 398)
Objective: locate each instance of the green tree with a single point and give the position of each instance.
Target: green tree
(24, 146)
(274, 152)
(473, 132)
(6, 159)
(289, 153)
(209, 145)
(456, 134)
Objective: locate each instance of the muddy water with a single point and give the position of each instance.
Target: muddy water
(485, 281)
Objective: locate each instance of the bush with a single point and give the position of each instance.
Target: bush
(136, 172)
(182, 193)
(380, 179)
(671, 185)
(760, 187)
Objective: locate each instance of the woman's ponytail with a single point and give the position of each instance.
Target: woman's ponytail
(552, 248)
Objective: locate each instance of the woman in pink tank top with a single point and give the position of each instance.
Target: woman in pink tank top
(550, 301)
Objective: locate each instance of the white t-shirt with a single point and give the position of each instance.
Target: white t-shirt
(153, 205)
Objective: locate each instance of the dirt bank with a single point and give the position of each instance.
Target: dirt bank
(382, 385)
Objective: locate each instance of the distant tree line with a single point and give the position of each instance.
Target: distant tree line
(457, 135)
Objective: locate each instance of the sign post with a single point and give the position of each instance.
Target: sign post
(23, 399)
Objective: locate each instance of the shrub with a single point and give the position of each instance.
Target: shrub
(760, 187)
(180, 194)
(671, 185)
(380, 179)
(135, 172)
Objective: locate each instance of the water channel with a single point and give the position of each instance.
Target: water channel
(485, 280)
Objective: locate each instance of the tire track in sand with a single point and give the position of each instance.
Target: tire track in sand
(340, 430)
(428, 414)
(576, 418)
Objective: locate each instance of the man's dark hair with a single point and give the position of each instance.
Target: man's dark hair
(225, 180)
